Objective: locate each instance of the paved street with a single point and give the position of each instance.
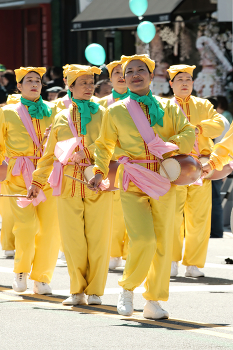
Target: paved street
(201, 312)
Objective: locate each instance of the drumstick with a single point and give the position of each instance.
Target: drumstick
(230, 156)
(13, 195)
(165, 171)
(46, 134)
(74, 178)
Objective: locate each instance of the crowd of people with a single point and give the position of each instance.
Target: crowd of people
(60, 154)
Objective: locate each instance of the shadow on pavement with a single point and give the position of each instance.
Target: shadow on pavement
(202, 280)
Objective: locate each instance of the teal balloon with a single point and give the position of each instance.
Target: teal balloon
(138, 7)
(95, 54)
(146, 31)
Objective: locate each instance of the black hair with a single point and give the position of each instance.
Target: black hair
(177, 74)
(213, 100)
(57, 71)
(10, 76)
(61, 93)
(100, 83)
(222, 102)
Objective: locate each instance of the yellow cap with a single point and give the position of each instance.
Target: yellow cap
(65, 70)
(76, 71)
(111, 66)
(144, 58)
(180, 68)
(22, 71)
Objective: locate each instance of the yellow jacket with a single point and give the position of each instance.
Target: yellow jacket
(202, 115)
(15, 140)
(104, 101)
(220, 154)
(120, 136)
(61, 131)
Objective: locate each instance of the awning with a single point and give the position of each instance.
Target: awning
(10, 4)
(102, 14)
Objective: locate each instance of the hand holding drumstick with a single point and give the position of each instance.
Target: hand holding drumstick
(33, 192)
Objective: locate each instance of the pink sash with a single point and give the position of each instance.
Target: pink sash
(67, 101)
(110, 100)
(63, 151)
(148, 181)
(23, 164)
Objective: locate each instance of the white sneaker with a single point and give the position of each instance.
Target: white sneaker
(115, 262)
(41, 288)
(153, 309)
(63, 258)
(20, 282)
(94, 300)
(193, 271)
(174, 269)
(76, 299)
(125, 303)
(9, 253)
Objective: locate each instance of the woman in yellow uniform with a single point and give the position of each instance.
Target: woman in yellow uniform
(119, 234)
(35, 224)
(7, 236)
(193, 202)
(66, 101)
(148, 217)
(221, 154)
(85, 217)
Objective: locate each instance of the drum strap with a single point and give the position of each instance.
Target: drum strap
(151, 183)
(63, 151)
(23, 164)
(67, 101)
(155, 144)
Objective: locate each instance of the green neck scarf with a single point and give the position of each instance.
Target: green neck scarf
(69, 93)
(120, 96)
(155, 111)
(37, 109)
(85, 108)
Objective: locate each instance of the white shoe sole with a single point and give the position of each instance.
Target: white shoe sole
(152, 317)
(68, 303)
(125, 313)
(187, 274)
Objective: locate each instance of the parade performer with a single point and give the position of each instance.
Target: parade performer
(148, 199)
(193, 202)
(119, 234)
(120, 90)
(35, 223)
(85, 217)
(66, 101)
(7, 236)
(221, 154)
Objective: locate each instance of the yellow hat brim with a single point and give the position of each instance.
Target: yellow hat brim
(144, 58)
(22, 71)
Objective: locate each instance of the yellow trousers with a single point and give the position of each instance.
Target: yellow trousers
(193, 204)
(85, 226)
(149, 222)
(120, 239)
(7, 236)
(37, 237)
